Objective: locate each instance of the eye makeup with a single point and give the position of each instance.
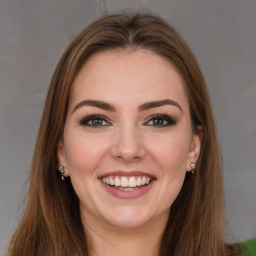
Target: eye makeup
(160, 120)
(156, 120)
(94, 121)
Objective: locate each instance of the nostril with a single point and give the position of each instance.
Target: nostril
(127, 144)
(129, 152)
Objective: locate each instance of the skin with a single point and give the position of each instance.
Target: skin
(127, 139)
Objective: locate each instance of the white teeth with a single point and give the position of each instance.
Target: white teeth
(124, 182)
(112, 181)
(117, 182)
(132, 182)
(139, 181)
(126, 189)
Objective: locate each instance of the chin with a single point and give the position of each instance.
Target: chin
(128, 223)
(129, 217)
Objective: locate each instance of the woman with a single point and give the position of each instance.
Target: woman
(128, 125)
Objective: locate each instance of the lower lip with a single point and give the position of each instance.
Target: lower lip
(128, 194)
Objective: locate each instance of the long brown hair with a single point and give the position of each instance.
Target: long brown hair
(51, 224)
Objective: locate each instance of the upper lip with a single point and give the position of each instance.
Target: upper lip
(126, 173)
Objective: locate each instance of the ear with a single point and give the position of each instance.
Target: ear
(62, 156)
(195, 147)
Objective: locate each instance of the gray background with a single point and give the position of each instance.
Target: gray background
(34, 34)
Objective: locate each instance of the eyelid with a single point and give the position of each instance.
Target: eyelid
(83, 121)
(171, 121)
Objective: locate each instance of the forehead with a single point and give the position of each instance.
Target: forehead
(138, 74)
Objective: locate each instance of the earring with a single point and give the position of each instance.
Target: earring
(193, 167)
(61, 171)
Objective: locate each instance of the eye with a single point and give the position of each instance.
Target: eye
(95, 121)
(160, 120)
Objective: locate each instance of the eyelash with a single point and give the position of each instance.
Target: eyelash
(166, 120)
(85, 121)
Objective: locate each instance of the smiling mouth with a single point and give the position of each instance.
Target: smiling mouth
(127, 183)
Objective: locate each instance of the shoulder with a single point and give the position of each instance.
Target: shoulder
(248, 248)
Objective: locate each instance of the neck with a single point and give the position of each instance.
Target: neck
(108, 240)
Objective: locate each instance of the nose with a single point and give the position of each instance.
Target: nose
(128, 144)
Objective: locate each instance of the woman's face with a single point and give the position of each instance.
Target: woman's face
(128, 139)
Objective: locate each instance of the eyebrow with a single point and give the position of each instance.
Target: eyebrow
(160, 103)
(95, 103)
(106, 106)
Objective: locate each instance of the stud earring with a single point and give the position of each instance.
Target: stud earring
(193, 167)
(61, 171)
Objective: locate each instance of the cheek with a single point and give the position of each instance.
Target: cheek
(170, 152)
(83, 153)
(170, 155)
